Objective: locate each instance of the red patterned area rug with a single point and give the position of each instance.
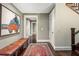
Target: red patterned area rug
(38, 49)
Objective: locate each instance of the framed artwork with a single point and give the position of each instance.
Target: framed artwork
(10, 22)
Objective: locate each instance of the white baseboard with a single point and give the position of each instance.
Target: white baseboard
(55, 47)
(43, 40)
(63, 48)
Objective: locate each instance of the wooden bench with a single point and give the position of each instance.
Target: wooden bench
(15, 49)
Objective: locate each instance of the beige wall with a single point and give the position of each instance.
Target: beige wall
(65, 19)
(4, 41)
(43, 22)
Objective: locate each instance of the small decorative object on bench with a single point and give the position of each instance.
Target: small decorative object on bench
(15, 49)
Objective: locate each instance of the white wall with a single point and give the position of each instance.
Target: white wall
(51, 27)
(65, 20)
(4, 41)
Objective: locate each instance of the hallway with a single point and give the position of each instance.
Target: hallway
(39, 29)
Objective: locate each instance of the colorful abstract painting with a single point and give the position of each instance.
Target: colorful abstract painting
(10, 22)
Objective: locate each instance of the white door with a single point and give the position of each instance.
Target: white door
(51, 27)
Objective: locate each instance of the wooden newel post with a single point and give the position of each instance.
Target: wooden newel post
(73, 39)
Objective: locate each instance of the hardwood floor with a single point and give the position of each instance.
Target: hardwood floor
(59, 53)
(62, 53)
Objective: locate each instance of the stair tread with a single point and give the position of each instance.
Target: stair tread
(74, 8)
(72, 5)
(77, 9)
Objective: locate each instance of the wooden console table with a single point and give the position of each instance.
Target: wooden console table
(15, 49)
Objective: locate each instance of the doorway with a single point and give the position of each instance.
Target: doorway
(32, 28)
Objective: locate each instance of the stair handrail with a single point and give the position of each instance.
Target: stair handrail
(73, 33)
(77, 32)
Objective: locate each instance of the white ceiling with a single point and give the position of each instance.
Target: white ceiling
(34, 7)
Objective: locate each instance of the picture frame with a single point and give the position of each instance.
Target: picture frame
(9, 21)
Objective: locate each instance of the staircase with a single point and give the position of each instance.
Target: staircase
(73, 6)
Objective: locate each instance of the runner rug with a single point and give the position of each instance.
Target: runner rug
(38, 49)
